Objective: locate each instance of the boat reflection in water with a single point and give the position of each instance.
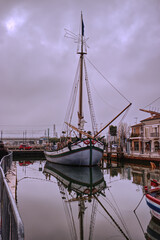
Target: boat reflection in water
(78, 184)
(153, 229)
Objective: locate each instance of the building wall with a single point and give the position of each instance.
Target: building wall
(145, 138)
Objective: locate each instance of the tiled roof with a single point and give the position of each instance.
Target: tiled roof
(137, 125)
(151, 118)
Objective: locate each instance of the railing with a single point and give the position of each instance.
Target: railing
(11, 224)
(154, 134)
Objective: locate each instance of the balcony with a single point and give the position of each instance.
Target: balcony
(155, 134)
(135, 135)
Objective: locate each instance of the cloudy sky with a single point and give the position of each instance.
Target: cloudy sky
(38, 64)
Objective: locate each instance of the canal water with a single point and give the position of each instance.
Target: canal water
(58, 202)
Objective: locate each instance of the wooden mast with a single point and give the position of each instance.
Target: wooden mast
(80, 113)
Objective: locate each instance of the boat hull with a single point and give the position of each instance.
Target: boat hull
(84, 156)
(79, 179)
(153, 202)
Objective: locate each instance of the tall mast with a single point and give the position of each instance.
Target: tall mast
(80, 113)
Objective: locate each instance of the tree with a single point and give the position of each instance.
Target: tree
(123, 133)
(113, 130)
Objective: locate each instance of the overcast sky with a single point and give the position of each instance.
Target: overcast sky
(38, 64)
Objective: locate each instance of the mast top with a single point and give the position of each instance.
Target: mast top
(82, 48)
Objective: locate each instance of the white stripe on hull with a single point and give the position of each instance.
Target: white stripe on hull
(80, 158)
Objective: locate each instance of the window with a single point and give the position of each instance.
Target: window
(136, 146)
(146, 132)
(156, 146)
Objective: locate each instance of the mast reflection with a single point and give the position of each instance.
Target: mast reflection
(78, 184)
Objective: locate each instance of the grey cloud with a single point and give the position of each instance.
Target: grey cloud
(37, 64)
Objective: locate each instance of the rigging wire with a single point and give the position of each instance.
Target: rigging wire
(107, 80)
(90, 101)
(113, 225)
(100, 96)
(152, 102)
(117, 212)
(124, 115)
(120, 215)
(68, 210)
(72, 100)
(111, 218)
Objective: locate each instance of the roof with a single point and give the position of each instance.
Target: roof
(151, 118)
(137, 125)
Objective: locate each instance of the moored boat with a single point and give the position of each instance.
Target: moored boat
(88, 148)
(81, 154)
(153, 201)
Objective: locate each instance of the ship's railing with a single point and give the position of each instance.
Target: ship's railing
(11, 224)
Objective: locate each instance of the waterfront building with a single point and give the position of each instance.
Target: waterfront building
(145, 136)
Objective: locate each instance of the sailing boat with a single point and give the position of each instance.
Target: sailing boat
(88, 149)
(78, 184)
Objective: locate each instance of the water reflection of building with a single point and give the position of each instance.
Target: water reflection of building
(141, 175)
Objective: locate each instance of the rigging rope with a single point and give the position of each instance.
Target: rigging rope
(90, 101)
(152, 102)
(124, 115)
(100, 96)
(117, 212)
(112, 218)
(67, 210)
(72, 100)
(107, 80)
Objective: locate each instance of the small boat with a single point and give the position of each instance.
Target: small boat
(153, 201)
(88, 148)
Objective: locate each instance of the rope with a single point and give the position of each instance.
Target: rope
(152, 102)
(108, 81)
(112, 218)
(72, 100)
(119, 214)
(124, 115)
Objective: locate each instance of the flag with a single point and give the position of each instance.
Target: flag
(82, 28)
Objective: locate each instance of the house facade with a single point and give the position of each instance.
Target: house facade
(136, 138)
(145, 136)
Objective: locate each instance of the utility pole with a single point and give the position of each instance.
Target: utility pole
(54, 131)
(48, 134)
(1, 134)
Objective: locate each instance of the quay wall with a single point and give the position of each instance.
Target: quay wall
(132, 158)
(28, 154)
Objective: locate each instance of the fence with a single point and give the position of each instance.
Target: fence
(11, 224)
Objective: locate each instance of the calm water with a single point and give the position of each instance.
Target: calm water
(56, 202)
